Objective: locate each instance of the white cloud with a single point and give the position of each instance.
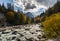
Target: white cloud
(33, 6)
(28, 4)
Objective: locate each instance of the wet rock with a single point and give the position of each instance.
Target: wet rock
(24, 33)
(13, 38)
(14, 32)
(23, 39)
(18, 39)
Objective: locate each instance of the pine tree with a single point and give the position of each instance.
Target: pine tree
(3, 9)
(9, 6)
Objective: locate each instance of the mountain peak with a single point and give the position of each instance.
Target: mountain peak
(29, 14)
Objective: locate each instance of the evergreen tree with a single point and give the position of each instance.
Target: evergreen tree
(0, 7)
(28, 20)
(3, 9)
(9, 6)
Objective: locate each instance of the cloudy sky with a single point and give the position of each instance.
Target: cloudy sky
(34, 6)
(30, 5)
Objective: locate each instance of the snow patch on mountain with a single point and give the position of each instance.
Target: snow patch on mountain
(35, 12)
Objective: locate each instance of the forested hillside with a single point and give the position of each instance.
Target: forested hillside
(51, 24)
(50, 11)
(12, 17)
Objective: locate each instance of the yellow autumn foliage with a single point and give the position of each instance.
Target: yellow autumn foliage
(24, 18)
(51, 26)
(10, 15)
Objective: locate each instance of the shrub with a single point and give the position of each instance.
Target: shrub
(51, 26)
(10, 17)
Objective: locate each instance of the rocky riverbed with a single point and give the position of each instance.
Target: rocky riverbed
(31, 32)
